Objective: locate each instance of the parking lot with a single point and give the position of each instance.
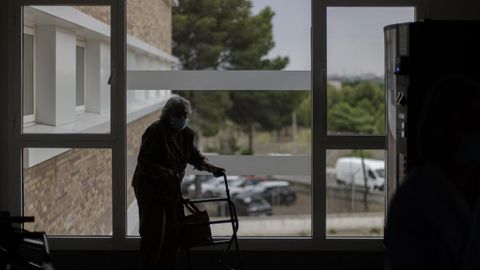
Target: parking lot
(294, 218)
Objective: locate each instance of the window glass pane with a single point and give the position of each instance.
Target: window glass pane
(68, 191)
(269, 35)
(28, 74)
(199, 36)
(355, 207)
(255, 125)
(355, 67)
(64, 75)
(80, 100)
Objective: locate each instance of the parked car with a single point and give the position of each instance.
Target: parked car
(215, 187)
(189, 180)
(275, 191)
(247, 204)
(349, 171)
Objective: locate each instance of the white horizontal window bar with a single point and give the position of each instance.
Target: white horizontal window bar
(219, 80)
(254, 165)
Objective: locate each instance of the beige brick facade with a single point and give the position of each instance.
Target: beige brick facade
(71, 193)
(134, 138)
(147, 20)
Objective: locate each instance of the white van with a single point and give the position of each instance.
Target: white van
(349, 169)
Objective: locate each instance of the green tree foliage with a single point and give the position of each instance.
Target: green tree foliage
(356, 108)
(225, 35)
(304, 111)
(202, 32)
(265, 110)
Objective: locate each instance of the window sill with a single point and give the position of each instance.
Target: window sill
(86, 123)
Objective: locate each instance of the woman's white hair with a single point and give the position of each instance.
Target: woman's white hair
(172, 103)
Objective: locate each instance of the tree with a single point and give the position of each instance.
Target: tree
(220, 35)
(266, 110)
(358, 107)
(224, 35)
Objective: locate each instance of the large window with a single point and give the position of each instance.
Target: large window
(251, 100)
(355, 95)
(289, 98)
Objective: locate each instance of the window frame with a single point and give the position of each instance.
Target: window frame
(324, 141)
(116, 139)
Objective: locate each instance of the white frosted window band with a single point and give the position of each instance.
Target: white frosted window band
(219, 80)
(253, 165)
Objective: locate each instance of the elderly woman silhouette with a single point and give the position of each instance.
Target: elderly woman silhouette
(167, 146)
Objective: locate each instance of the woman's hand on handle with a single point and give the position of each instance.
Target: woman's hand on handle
(217, 171)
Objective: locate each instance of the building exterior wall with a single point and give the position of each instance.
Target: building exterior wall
(135, 131)
(71, 193)
(143, 20)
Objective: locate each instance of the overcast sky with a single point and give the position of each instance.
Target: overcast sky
(354, 35)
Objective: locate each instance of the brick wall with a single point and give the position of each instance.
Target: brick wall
(134, 138)
(71, 193)
(147, 20)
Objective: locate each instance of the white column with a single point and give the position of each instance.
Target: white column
(97, 98)
(55, 75)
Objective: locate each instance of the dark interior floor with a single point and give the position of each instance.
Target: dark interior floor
(251, 260)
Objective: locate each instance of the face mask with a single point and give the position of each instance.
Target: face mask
(178, 123)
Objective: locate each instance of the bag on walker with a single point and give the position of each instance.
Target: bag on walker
(196, 227)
